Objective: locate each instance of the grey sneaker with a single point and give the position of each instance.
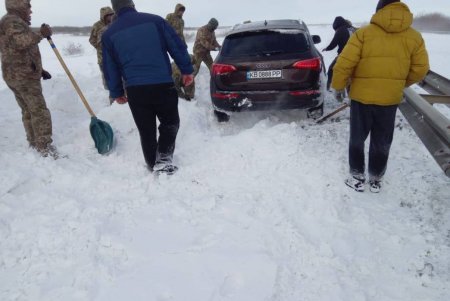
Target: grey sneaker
(356, 183)
(375, 186)
(166, 169)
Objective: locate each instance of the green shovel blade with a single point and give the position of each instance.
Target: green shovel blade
(102, 134)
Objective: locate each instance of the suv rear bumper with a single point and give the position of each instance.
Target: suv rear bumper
(266, 100)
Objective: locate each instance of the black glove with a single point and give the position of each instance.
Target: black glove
(46, 75)
(46, 31)
(340, 95)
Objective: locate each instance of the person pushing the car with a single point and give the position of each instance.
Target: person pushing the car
(205, 42)
(135, 50)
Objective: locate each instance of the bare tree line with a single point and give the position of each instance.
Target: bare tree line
(432, 22)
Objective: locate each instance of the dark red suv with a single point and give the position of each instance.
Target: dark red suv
(268, 65)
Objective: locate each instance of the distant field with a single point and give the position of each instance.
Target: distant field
(431, 23)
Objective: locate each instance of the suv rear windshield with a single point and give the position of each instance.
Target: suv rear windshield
(265, 43)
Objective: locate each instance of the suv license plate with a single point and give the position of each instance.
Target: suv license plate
(263, 74)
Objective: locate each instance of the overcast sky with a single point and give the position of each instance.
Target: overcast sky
(228, 12)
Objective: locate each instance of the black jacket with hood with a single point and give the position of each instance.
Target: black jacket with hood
(343, 30)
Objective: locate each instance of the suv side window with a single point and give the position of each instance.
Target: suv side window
(265, 43)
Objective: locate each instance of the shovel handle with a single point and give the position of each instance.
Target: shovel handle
(341, 108)
(72, 79)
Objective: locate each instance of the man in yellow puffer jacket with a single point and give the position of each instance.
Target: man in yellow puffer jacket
(379, 61)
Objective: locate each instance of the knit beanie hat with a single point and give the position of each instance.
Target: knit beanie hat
(119, 4)
(383, 3)
(213, 23)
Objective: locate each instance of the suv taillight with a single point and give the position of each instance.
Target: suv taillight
(313, 64)
(219, 69)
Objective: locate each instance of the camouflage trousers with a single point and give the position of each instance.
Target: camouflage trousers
(103, 77)
(35, 114)
(202, 57)
(188, 92)
(105, 85)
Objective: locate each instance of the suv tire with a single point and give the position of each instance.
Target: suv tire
(316, 112)
(221, 116)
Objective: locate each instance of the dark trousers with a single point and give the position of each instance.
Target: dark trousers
(330, 73)
(379, 122)
(147, 103)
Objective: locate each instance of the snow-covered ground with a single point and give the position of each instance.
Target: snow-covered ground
(258, 210)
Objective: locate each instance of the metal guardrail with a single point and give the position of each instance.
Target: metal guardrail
(435, 99)
(434, 31)
(430, 125)
(436, 84)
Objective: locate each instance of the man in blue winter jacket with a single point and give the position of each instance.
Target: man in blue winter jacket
(135, 54)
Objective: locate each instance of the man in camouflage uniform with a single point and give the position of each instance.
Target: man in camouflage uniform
(205, 42)
(100, 57)
(106, 16)
(175, 19)
(184, 92)
(22, 72)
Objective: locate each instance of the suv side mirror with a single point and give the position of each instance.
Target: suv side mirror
(316, 39)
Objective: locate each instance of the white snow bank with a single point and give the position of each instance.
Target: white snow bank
(258, 210)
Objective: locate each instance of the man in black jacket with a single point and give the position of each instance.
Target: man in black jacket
(343, 30)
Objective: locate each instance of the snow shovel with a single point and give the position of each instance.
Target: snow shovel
(101, 131)
(341, 108)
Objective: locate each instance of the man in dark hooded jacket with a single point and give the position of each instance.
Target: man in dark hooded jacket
(343, 30)
(22, 72)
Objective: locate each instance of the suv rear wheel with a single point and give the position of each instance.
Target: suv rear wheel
(316, 112)
(221, 116)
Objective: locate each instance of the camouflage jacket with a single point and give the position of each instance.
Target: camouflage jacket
(205, 41)
(98, 29)
(177, 22)
(98, 45)
(176, 73)
(21, 59)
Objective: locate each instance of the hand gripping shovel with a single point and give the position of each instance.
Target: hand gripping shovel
(101, 131)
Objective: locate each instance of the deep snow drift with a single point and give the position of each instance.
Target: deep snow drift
(258, 210)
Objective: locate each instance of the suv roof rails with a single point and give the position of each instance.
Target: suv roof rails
(268, 24)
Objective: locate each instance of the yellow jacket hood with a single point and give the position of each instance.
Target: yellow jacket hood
(393, 18)
(382, 58)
